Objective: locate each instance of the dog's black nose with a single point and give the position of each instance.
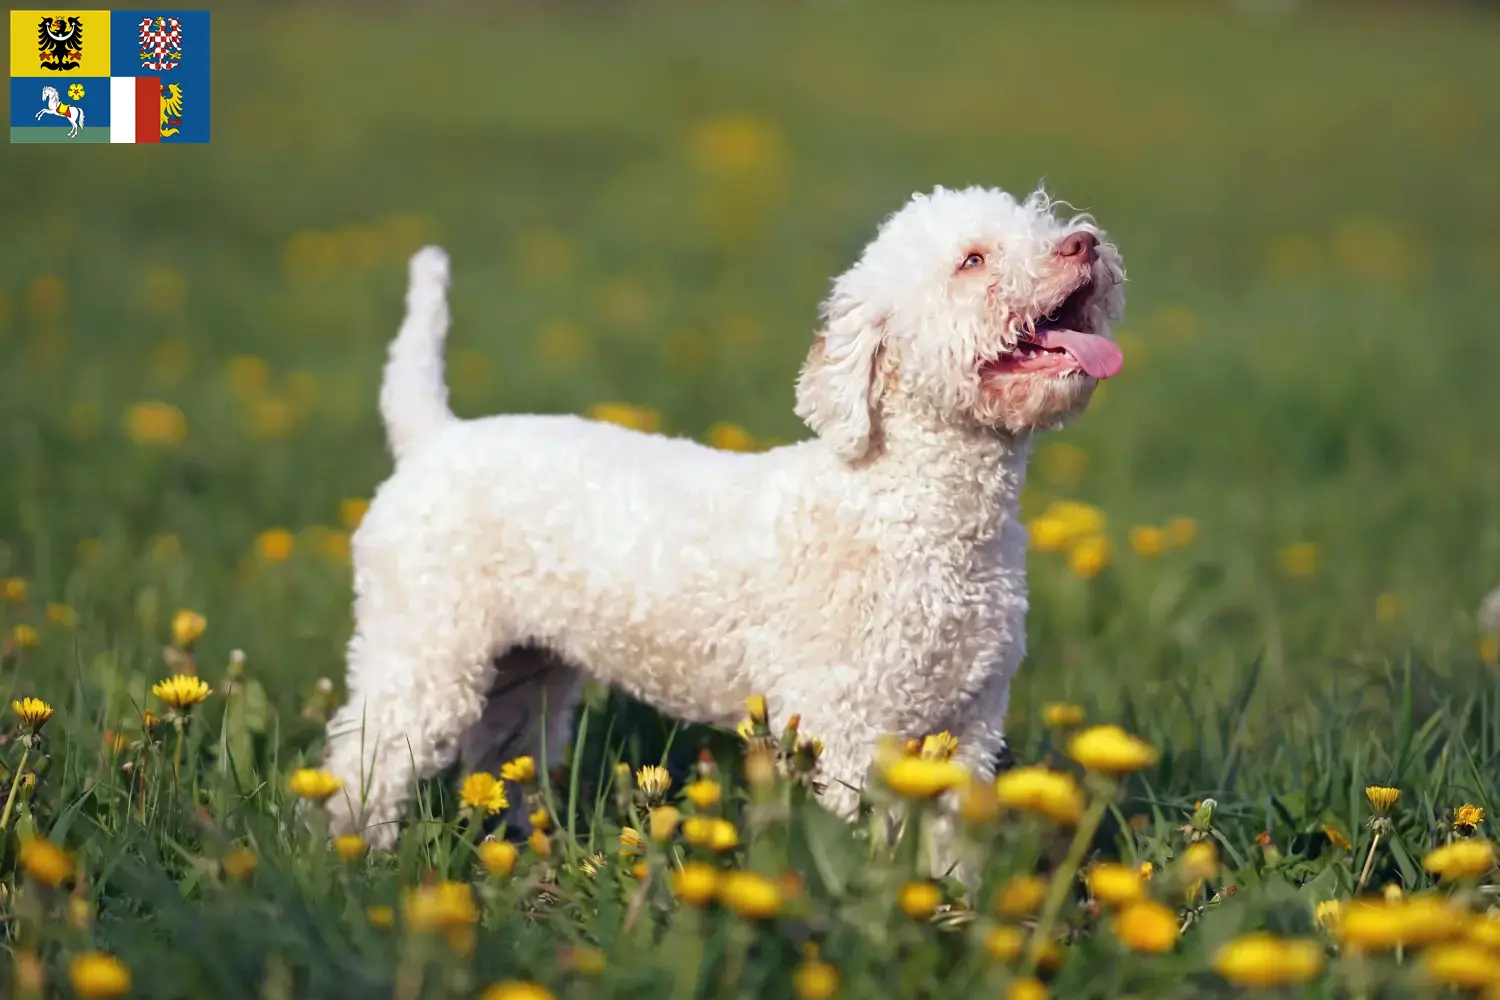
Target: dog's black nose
(1080, 244)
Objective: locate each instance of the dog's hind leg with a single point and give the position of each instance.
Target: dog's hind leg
(417, 680)
(527, 712)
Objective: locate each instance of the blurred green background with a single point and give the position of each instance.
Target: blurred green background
(644, 204)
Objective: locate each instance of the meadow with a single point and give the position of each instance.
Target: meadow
(1259, 553)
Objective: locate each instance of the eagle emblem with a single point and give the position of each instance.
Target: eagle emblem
(161, 43)
(59, 42)
(171, 109)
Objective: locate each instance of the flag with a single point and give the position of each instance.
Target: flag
(116, 76)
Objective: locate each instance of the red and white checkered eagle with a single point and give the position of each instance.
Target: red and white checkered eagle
(161, 43)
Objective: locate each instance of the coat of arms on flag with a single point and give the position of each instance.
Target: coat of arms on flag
(59, 42)
(116, 76)
(161, 42)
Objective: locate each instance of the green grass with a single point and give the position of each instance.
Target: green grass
(1307, 209)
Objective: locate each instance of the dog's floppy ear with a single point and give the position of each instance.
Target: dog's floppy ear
(835, 392)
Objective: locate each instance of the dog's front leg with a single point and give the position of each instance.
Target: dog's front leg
(981, 745)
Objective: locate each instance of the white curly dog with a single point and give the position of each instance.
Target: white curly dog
(872, 578)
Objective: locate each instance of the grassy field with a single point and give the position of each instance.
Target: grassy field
(1294, 501)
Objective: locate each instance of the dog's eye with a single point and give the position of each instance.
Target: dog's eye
(973, 260)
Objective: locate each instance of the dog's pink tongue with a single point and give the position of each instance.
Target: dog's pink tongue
(1097, 356)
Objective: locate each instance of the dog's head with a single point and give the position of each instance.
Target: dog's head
(987, 309)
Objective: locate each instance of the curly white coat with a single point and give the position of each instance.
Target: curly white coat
(871, 579)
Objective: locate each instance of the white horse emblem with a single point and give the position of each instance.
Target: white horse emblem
(72, 112)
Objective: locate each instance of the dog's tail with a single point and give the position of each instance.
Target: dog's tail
(413, 396)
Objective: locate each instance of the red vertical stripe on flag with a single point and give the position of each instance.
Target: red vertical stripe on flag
(148, 109)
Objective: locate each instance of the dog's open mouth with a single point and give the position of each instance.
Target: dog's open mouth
(1062, 344)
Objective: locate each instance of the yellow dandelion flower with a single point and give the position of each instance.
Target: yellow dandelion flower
(1200, 860)
(97, 976)
(484, 792)
(712, 832)
(653, 781)
(636, 418)
(1328, 912)
(34, 713)
(1089, 556)
(939, 746)
(1299, 559)
(749, 895)
(695, 883)
(916, 778)
(1146, 871)
(638, 870)
(745, 728)
(45, 861)
(593, 865)
(1147, 926)
(187, 628)
(25, 636)
(1461, 859)
(1484, 930)
(1468, 816)
(522, 770)
(1148, 541)
(1337, 838)
(275, 544)
(540, 819)
(540, 844)
(350, 847)
(756, 706)
(1115, 884)
(1110, 750)
(381, 917)
(1180, 531)
(582, 959)
(663, 822)
(730, 437)
(314, 784)
(1021, 896)
(14, 589)
(1265, 960)
(352, 512)
(1048, 534)
(1387, 608)
(632, 841)
(703, 794)
(1004, 943)
(181, 691)
(736, 146)
(155, 424)
(814, 979)
(760, 767)
(977, 802)
(441, 906)
(240, 863)
(1036, 789)
(1381, 798)
(1061, 715)
(1026, 988)
(80, 913)
(498, 857)
(61, 615)
(919, 900)
(1382, 926)
(1465, 966)
(516, 989)
(29, 974)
